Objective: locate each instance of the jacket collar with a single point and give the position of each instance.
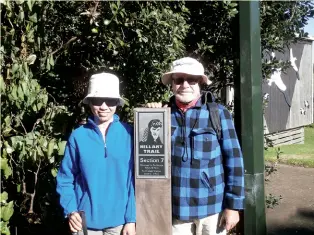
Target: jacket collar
(206, 97)
(93, 120)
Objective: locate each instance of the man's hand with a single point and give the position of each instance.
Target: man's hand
(129, 229)
(155, 105)
(75, 222)
(229, 219)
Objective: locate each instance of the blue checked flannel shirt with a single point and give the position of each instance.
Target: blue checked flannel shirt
(207, 176)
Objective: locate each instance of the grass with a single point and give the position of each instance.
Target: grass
(295, 154)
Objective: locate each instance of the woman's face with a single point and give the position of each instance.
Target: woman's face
(103, 108)
(155, 132)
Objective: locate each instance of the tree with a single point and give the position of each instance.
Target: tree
(135, 40)
(32, 137)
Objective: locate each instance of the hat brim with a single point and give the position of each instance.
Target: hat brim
(166, 78)
(121, 101)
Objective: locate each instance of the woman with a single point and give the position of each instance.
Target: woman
(96, 173)
(151, 133)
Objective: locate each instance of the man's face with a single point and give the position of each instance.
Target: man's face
(103, 108)
(185, 87)
(155, 132)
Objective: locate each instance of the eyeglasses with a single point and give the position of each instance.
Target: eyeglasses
(190, 80)
(99, 101)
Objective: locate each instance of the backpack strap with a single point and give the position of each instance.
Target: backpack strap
(214, 117)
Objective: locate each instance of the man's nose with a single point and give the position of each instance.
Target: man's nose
(185, 84)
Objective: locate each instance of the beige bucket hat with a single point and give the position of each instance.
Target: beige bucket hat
(186, 65)
(104, 85)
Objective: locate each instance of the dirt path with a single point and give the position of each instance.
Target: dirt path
(295, 213)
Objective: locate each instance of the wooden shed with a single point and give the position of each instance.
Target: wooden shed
(290, 101)
(290, 96)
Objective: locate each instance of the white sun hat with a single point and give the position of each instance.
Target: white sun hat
(103, 85)
(186, 65)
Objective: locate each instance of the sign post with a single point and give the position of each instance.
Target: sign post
(153, 171)
(249, 116)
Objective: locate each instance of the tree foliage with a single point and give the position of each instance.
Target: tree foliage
(135, 40)
(49, 49)
(32, 137)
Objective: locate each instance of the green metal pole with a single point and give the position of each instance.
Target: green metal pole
(249, 116)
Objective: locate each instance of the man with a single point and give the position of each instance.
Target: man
(96, 173)
(207, 171)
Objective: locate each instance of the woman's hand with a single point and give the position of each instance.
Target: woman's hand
(75, 222)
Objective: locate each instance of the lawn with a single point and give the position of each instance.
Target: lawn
(295, 154)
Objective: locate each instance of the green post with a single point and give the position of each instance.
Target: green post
(249, 116)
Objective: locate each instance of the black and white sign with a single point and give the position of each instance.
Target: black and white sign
(150, 156)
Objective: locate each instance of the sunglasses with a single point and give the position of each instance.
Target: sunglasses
(100, 101)
(190, 80)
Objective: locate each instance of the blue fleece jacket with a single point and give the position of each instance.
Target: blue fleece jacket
(97, 176)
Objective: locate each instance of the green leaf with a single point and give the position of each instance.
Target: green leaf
(25, 88)
(18, 188)
(21, 15)
(54, 172)
(6, 131)
(7, 211)
(31, 59)
(14, 92)
(22, 152)
(4, 228)
(26, 69)
(34, 107)
(4, 197)
(33, 18)
(40, 152)
(7, 171)
(20, 93)
(48, 64)
(51, 60)
(139, 34)
(30, 4)
(30, 35)
(9, 150)
(50, 148)
(45, 99)
(94, 30)
(39, 106)
(14, 68)
(2, 84)
(61, 147)
(52, 159)
(7, 120)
